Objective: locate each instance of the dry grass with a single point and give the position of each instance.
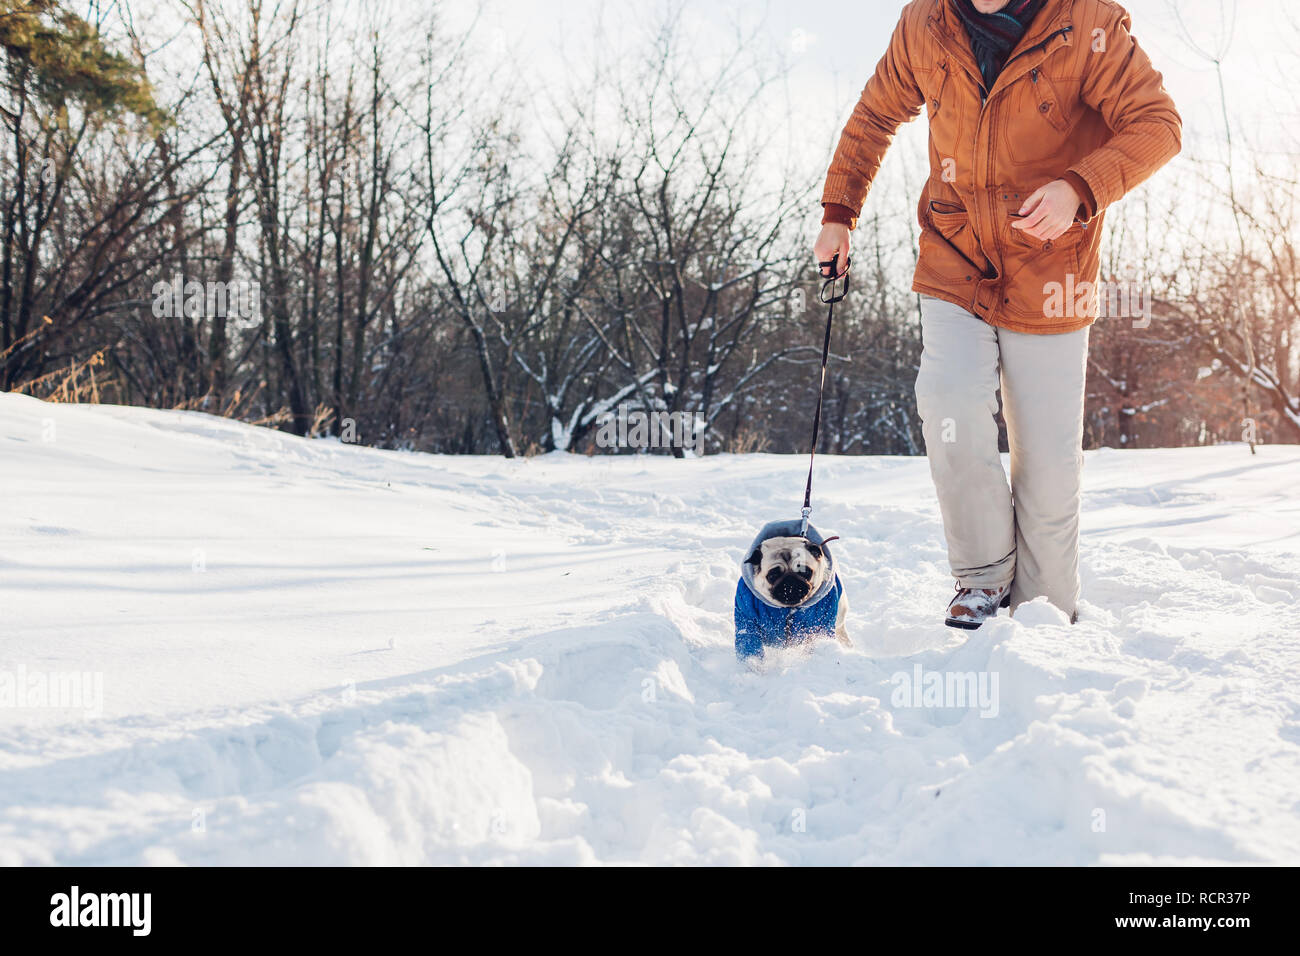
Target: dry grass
(748, 440)
(77, 383)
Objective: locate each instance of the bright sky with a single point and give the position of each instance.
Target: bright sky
(833, 58)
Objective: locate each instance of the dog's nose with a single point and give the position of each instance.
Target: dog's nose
(790, 590)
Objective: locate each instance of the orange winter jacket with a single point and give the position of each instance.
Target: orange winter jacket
(1077, 99)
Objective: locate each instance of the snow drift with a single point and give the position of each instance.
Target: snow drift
(309, 652)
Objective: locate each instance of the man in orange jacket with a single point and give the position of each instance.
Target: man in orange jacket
(1042, 114)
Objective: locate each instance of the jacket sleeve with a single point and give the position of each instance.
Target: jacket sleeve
(1120, 83)
(749, 642)
(890, 98)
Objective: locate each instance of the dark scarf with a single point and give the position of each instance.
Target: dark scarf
(994, 35)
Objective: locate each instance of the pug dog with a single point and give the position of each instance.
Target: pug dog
(789, 571)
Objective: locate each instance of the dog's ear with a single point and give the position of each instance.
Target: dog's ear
(756, 559)
(816, 550)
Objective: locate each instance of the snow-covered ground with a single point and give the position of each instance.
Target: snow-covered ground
(306, 652)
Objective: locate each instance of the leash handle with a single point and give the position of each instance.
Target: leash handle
(827, 287)
(833, 276)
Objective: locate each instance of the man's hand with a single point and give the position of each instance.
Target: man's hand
(1049, 210)
(832, 241)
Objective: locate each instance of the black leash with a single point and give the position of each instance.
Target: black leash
(827, 286)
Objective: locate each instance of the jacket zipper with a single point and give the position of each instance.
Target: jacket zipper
(1042, 43)
(1033, 74)
(984, 102)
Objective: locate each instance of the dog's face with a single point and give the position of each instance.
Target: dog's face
(789, 570)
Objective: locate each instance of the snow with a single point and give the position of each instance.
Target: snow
(311, 652)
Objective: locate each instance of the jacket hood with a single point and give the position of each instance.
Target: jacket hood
(783, 529)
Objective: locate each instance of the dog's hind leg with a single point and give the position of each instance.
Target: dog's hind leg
(841, 616)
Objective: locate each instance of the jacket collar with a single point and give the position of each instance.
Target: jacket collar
(1052, 29)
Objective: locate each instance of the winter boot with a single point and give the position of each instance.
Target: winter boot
(971, 607)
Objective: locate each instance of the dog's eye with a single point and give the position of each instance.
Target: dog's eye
(806, 573)
(773, 576)
(815, 551)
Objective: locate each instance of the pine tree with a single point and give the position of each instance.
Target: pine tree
(52, 53)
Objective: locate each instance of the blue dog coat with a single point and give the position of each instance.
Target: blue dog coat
(762, 623)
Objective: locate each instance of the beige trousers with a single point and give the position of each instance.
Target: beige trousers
(1027, 534)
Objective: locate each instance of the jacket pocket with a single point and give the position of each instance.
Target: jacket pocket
(948, 218)
(1039, 269)
(945, 110)
(1072, 236)
(1047, 100)
(1035, 120)
(947, 243)
(934, 100)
